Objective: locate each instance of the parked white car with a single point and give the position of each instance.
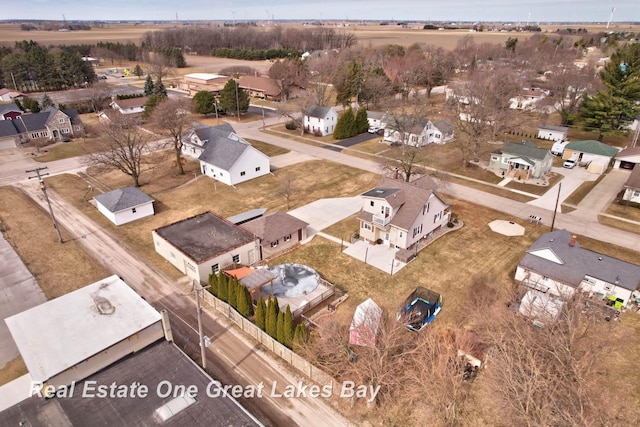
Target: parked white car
(570, 163)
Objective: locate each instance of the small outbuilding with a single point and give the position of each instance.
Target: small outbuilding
(365, 324)
(553, 133)
(627, 158)
(124, 205)
(593, 155)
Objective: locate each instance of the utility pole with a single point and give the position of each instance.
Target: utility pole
(555, 210)
(204, 341)
(43, 187)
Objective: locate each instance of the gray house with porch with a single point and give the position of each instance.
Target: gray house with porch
(521, 160)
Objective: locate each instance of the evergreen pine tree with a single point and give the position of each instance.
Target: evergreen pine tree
(233, 292)
(346, 125)
(46, 101)
(148, 86)
(213, 284)
(287, 328)
(232, 98)
(280, 335)
(245, 304)
(272, 317)
(223, 287)
(159, 89)
(261, 313)
(362, 124)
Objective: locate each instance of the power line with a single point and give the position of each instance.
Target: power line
(43, 187)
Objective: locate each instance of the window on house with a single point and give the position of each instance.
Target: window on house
(371, 203)
(172, 255)
(236, 259)
(258, 169)
(425, 208)
(274, 244)
(636, 193)
(243, 173)
(133, 210)
(607, 287)
(215, 268)
(65, 130)
(400, 234)
(287, 237)
(61, 121)
(367, 226)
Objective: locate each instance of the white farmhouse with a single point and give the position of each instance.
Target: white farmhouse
(224, 155)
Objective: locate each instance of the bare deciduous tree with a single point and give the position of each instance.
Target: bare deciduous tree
(171, 116)
(122, 147)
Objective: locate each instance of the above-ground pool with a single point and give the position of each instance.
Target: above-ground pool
(294, 280)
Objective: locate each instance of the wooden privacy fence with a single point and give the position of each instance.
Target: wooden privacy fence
(301, 364)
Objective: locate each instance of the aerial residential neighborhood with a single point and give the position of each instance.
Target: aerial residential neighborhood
(320, 221)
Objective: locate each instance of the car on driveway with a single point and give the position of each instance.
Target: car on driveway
(569, 164)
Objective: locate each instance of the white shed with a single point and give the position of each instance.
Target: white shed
(124, 205)
(553, 133)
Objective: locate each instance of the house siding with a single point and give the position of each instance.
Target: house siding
(247, 253)
(125, 216)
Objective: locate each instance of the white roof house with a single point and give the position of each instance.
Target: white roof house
(553, 133)
(75, 335)
(124, 205)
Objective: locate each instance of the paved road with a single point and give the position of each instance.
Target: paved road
(231, 357)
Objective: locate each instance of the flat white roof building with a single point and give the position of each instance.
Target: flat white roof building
(77, 334)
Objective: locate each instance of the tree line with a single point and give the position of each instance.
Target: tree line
(268, 316)
(30, 67)
(203, 39)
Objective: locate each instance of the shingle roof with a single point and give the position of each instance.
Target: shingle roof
(406, 198)
(445, 126)
(32, 122)
(318, 111)
(7, 108)
(123, 198)
(576, 262)
(555, 128)
(150, 366)
(204, 236)
(264, 84)
(525, 149)
(8, 128)
(73, 116)
(628, 152)
(634, 178)
(223, 151)
(592, 147)
(274, 226)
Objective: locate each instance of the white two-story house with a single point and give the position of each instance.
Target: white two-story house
(398, 214)
(223, 154)
(320, 120)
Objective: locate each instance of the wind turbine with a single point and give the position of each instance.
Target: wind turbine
(613, 9)
(233, 12)
(266, 10)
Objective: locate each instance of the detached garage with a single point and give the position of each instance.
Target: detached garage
(627, 158)
(124, 205)
(593, 155)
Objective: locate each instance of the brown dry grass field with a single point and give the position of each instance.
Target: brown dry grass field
(371, 34)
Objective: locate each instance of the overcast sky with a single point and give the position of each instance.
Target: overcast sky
(414, 10)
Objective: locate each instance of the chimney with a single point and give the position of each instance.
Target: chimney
(572, 242)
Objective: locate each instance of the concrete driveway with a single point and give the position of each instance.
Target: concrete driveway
(325, 212)
(573, 178)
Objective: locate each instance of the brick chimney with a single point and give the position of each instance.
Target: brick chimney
(572, 242)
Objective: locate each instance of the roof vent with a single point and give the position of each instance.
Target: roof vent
(599, 258)
(173, 407)
(572, 242)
